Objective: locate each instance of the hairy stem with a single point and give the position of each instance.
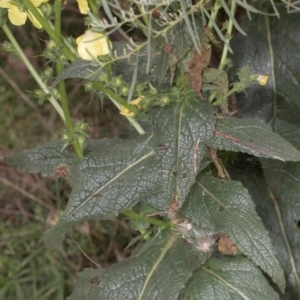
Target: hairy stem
(62, 88)
(227, 37)
(48, 28)
(32, 71)
(135, 216)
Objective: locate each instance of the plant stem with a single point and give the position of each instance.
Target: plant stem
(135, 216)
(93, 7)
(227, 36)
(62, 87)
(132, 121)
(119, 101)
(32, 71)
(47, 27)
(214, 14)
(72, 57)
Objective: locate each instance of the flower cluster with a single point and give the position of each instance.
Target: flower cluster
(18, 14)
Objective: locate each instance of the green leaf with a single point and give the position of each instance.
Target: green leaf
(252, 136)
(158, 271)
(43, 159)
(229, 279)
(182, 132)
(277, 203)
(83, 69)
(282, 216)
(87, 281)
(106, 183)
(226, 207)
(46, 158)
(273, 52)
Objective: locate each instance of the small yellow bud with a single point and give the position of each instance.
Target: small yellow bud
(262, 79)
(126, 112)
(165, 100)
(124, 90)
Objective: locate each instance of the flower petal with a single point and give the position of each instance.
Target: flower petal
(6, 4)
(83, 6)
(16, 16)
(262, 79)
(92, 44)
(126, 112)
(37, 3)
(34, 21)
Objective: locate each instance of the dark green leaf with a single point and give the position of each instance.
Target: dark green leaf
(229, 279)
(226, 207)
(159, 271)
(252, 136)
(277, 203)
(281, 212)
(46, 158)
(106, 183)
(87, 281)
(272, 48)
(83, 69)
(43, 159)
(182, 132)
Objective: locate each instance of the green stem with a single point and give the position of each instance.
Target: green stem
(214, 14)
(72, 57)
(132, 121)
(93, 7)
(113, 95)
(32, 71)
(108, 72)
(62, 87)
(227, 37)
(135, 216)
(47, 27)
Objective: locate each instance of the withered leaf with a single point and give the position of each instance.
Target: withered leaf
(226, 246)
(196, 65)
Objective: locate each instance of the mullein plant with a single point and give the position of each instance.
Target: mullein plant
(165, 79)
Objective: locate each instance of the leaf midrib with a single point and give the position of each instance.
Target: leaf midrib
(149, 154)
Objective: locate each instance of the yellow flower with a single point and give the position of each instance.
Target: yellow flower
(262, 79)
(126, 112)
(92, 44)
(83, 6)
(18, 15)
